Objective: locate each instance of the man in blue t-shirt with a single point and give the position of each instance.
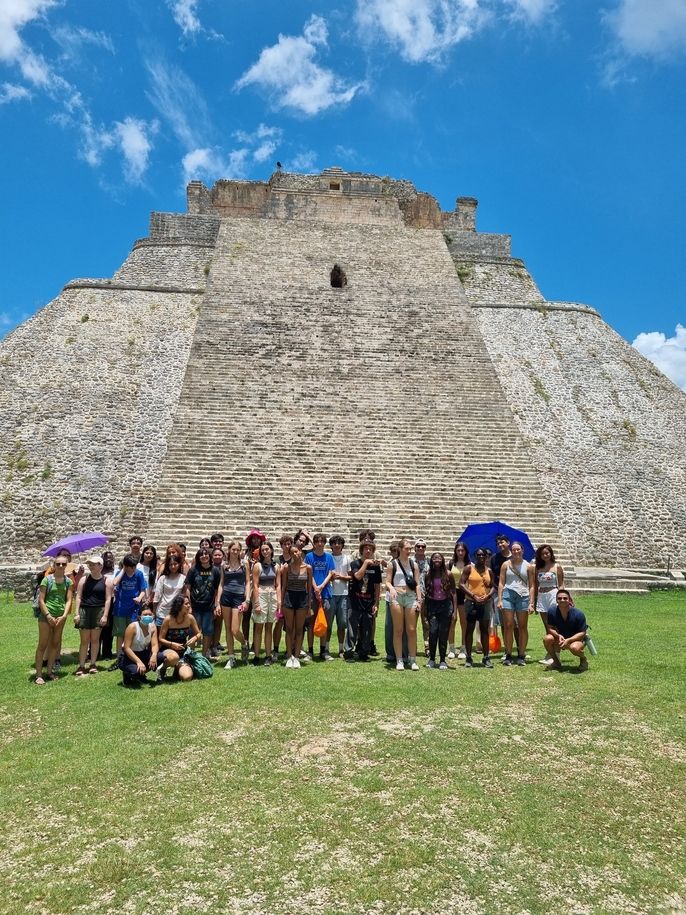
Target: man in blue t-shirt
(131, 587)
(566, 631)
(323, 570)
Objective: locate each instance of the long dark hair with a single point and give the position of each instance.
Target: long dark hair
(152, 568)
(540, 561)
(455, 560)
(176, 606)
(431, 573)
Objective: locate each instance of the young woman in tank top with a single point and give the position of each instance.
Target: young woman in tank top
(548, 577)
(179, 631)
(93, 598)
(295, 587)
(234, 597)
(477, 583)
(285, 543)
(456, 567)
(266, 601)
(139, 649)
(515, 597)
(404, 586)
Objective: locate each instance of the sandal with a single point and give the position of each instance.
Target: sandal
(80, 672)
(92, 669)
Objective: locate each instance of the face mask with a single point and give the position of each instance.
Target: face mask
(146, 620)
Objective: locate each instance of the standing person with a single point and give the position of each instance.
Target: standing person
(218, 560)
(285, 542)
(179, 631)
(266, 601)
(388, 621)
(323, 570)
(148, 566)
(404, 585)
(93, 598)
(502, 554)
(140, 649)
(548, 578)
(235, 589)
(423, 563)
(203, 585)
(136, 548)
(295, 587)
(339, 591)
(365, 592)
(441, 604)
(477, 583)
(54, 604)
(72, 573)
(253, 542)
(131, 588)
(169, 583)
(515, 596)
(217, 540)
(567, 630)
(456, 567)
(106, 634)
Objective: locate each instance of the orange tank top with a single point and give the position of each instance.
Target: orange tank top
(479, 583)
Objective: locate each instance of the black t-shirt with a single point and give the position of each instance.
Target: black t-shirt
(202, 587)
(497, 562)
(362, 591)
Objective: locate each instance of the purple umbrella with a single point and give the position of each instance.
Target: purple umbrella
(77, 543)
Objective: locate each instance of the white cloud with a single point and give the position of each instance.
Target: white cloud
(11, 93)
(132, 137)
(209, 164)
(14, 15)
(289, 71)
(263, 140)
(185, 15)
(179, 103)
(71, 39)
(304, 161)
(421, 29)
(264, 151)
(667, 353)
(650, 28)
(533, 11)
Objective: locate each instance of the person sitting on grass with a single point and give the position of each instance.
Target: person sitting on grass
(179, 631)
(54, 604)
(566, 631)
(140, 648)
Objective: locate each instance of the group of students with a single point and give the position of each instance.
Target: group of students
(159, 609)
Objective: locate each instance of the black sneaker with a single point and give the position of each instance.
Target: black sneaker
(373, 651)
(468, 661)
(487, 662)
(520, 662)
(507, 660)
(268, 661)
(114, 666)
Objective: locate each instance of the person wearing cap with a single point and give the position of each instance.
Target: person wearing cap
(323, 570)
(365, 591)
(423, 563)
(339, 590)
(93, 599)
(567, 629)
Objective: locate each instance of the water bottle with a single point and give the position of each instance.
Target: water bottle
(593, 651)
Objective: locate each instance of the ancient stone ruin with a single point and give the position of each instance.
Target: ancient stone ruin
(332, 350)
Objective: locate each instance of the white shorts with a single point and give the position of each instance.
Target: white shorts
(267, 609)
(546, 600)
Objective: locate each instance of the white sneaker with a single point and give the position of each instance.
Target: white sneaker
(547, 661)
(296, 664)
(414, 666)
(289, 663)
(400, 665)
(462, 656)
(159, 670)
(451, 654)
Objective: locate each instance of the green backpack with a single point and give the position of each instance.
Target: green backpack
(202, 669)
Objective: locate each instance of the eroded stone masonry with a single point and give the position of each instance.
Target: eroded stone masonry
(220, 380)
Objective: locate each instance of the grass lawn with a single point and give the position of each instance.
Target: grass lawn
(353, 788)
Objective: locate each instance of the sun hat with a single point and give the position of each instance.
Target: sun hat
(255, 532)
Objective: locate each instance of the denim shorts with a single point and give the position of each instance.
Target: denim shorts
(515, 602)
(406, 599)
(205, 620)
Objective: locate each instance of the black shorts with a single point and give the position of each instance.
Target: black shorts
(295, 600)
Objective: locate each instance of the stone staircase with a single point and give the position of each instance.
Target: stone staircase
(333, 408)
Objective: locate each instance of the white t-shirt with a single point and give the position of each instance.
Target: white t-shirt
(166, 589)
(342, 563)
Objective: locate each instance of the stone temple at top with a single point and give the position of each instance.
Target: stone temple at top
(333, 351)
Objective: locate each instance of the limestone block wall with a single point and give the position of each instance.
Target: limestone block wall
(497, 280)
(155, 263)
(88, 389)
(606, 431)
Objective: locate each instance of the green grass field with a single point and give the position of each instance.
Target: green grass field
(353, 788)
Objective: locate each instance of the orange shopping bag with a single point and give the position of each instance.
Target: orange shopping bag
(321, 627)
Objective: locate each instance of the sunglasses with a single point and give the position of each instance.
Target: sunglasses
(60, 565)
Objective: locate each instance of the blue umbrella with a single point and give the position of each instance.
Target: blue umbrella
(77, 543)
(484, 534)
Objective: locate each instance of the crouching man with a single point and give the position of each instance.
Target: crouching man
(566, 631)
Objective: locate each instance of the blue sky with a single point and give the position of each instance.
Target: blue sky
(566, 118)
